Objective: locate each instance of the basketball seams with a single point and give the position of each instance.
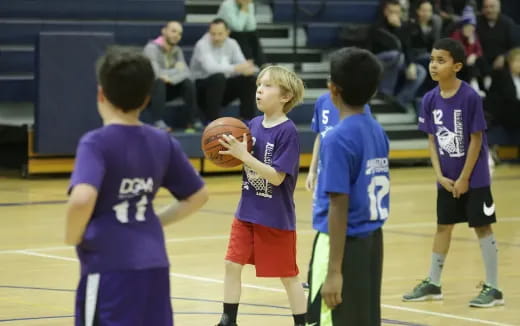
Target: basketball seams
(213, 133)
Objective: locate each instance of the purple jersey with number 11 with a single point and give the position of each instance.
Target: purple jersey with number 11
(127, 165)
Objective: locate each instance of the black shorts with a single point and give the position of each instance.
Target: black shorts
(361, 293)
(475, 207)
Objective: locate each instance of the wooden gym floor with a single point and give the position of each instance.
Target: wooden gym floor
(38, 273)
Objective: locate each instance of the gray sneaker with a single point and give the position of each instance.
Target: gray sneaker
(425, 290)
(488, 297)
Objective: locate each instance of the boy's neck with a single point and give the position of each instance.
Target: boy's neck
(115, 116)
(449, 87)
(272, 119)
(346, 110)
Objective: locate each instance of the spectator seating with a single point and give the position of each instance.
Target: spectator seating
(326, 11)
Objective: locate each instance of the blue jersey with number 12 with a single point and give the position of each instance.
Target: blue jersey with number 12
(355, 162)
(325, 117)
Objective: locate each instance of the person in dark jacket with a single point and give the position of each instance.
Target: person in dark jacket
(390, 41)
(495, 31)
(502, 103)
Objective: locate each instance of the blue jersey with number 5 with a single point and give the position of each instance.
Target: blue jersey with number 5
(326, 117)
(355, 162)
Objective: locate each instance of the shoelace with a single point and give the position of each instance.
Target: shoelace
(423, 283)
(485, 289)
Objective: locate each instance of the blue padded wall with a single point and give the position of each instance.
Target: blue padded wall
(89, 9)
(66, 89)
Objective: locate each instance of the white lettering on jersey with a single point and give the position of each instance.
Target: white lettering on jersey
(450, 142)
(135, 186)
(262, 186)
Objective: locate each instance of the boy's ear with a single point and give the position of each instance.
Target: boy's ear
(286, 97)
(100, 95)
(458, 66)
(334, 90)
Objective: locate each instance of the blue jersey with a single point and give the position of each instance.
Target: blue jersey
(325, 117)
(355, 162)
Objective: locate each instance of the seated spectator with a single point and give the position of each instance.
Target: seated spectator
(173, 77)
(222, 73)
(240, 18)
(390, 41)
(425, 30)
(466, 34)
(450, 12)
(502, 103)
(495, 31)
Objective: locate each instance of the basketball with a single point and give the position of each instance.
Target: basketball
(214, 131)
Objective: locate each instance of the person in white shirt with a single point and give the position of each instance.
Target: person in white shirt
(222, 73)
(240, 17)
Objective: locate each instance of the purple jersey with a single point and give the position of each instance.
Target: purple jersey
(261, 202)
(452, 121)
(127, 165)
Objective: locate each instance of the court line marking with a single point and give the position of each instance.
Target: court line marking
(212, 280)
(420, 182)
(198, 313)
(226, 236)
(32, 288)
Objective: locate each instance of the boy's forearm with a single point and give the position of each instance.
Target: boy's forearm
(78, 216)
(338, 210)
(80, 207)
(183, 208)
(475, 144)
(315, 154)
(265, 171)
(434, 157)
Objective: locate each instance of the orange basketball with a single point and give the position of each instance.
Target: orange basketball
(214, 131)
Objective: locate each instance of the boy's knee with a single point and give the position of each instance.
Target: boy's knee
(483, 231)
(445, 228)
(289, 280)
(232, 267)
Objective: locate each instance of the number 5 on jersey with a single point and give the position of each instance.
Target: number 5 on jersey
(378, 188)
(325, 116)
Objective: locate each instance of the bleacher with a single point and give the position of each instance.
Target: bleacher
(134, 22)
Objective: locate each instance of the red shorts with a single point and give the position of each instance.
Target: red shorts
(272, 251)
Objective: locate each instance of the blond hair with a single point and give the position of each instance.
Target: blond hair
(511, 56)
(288, 82)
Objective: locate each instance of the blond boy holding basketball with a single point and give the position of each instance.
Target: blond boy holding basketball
(263, 231)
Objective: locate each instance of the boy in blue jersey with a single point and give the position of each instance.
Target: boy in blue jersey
(325, 117)
(110, 218)
(352, 200)
(453, 117)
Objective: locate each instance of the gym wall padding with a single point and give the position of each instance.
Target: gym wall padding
(66, 89)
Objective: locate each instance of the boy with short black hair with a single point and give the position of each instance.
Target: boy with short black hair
(110, 218)
(453, 117)
(353, 184)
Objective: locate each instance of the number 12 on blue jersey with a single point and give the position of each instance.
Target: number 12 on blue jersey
(378, 189)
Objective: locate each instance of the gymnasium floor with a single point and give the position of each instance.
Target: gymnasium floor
(38, 273)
